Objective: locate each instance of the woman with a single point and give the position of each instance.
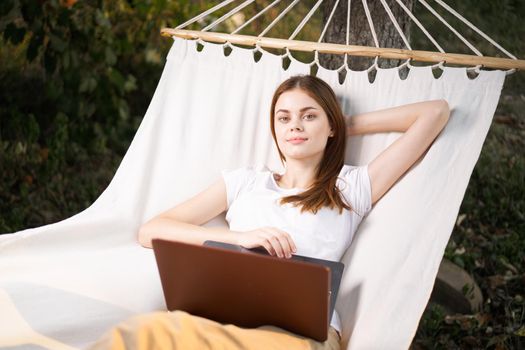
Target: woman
(308, 210)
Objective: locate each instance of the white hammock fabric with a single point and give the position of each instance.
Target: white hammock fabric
(64, 284)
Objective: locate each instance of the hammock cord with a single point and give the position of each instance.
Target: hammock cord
(205, 13)
(370, 24)
(305, 19)
(316, 53)
(281, 15)
(416, 21)
(256, 16)
(438, 16)
(476, 29)
(328, 22)
(227, 15)
(374, 35)
(396, 24)
(349, 6)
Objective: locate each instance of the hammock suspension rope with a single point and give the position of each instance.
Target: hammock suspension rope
(474, 62)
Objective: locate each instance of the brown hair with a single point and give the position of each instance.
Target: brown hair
(324, 191)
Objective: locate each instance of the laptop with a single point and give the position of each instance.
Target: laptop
(231, 284)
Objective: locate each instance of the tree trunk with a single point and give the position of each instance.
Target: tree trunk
(360, 33)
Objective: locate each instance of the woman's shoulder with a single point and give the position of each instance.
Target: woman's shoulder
(352, 170)
(350, 167)
(354, 182)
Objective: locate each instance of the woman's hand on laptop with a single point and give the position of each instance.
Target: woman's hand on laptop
(274, 240)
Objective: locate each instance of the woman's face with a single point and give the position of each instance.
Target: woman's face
(301, 125)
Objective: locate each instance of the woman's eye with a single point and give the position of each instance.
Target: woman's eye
(307, 116)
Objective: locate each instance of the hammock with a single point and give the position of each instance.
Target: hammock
(63, 285)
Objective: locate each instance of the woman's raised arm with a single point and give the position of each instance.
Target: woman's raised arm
(421, 123)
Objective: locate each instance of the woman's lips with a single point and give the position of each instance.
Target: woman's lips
(297, 141)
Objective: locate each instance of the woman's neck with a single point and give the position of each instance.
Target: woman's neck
(297, 175)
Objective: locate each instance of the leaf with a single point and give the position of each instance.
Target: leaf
(131, 83)
(21, 148)
(111, 59)
(123, 109)
(88, 84)
(116, 78)
(84, 85)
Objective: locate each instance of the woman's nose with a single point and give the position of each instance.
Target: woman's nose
(295, 126)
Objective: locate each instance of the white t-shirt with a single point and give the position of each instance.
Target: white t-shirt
(253, 195)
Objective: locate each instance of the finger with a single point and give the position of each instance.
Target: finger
(265, 235)
(272, 238)
(291, 243)
(280, 240)
(268, 247)
(276, 244)
(284, 240)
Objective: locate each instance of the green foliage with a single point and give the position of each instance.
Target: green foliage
(501, 20)
(74, 95)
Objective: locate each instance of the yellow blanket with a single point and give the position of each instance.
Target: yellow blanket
(181, 330)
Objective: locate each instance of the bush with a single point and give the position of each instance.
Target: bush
(80, 77)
